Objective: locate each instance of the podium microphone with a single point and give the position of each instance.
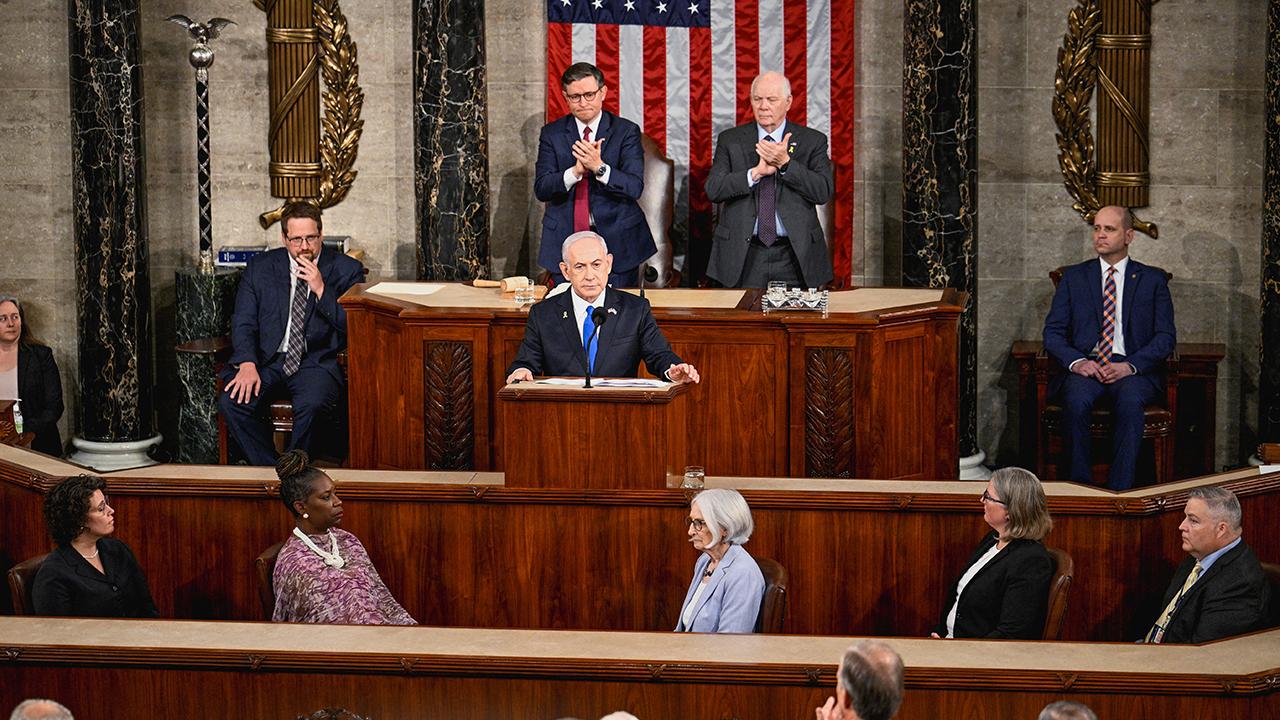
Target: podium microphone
(598, 318)
(648, 274)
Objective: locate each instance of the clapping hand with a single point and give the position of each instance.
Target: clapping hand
(775, 153)
(587, 153)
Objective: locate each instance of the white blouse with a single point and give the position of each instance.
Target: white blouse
(686, 617)
(964, 580)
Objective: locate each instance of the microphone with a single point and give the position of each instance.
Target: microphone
(648, 274)
(598, 318)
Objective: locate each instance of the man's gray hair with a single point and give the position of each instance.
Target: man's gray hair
(569, 241)
(1222, 502)
(40, 709)
(871, 675)
(726, 513)
(1066, 710)
(786, 84)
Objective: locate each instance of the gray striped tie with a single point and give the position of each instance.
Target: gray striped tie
(297, 329)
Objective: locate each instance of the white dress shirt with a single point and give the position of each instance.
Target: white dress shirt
(293, 286)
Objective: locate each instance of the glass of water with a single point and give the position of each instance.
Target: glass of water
(694, 477)
(524, 295)
(776, 292)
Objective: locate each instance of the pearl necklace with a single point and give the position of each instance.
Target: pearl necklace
(331, 558)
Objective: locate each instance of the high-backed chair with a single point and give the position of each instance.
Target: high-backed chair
(1157, 425)
(22, 578)
(1272, 571)
(265, 564)
(1063, 574)
(827, 221)
(773, 607)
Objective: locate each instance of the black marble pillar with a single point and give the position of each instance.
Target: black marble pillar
(451, 140)
(940, 171)
(205, 304)
(1269, 355)
(110, 222)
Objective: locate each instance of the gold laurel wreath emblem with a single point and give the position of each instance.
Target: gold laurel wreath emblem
(1073, 84)
(343, 100)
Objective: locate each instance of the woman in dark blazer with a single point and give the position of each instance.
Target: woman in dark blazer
(1004, 589)
(24, 360)
(89, 574)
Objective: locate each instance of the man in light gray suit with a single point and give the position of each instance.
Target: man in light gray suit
(770, 175)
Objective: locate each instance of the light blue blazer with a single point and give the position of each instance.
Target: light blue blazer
(731, 601)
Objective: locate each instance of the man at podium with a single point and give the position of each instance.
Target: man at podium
(591, 328)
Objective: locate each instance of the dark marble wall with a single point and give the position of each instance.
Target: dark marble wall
(451, 140)
(1269, 349)
(110, 224)
(204, 307)
(940, 171)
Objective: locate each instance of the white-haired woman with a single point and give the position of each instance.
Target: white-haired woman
(724, 595)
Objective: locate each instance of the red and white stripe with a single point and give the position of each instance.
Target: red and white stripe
(684, 86)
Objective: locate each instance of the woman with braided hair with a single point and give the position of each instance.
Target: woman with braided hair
(323, 574)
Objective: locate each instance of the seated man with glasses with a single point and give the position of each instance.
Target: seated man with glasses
(286, 332)
(590, 173)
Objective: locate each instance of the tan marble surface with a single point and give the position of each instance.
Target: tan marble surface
(268, 475)
(38, 462)
(1239, 656)
(872, 299)
(690, 298)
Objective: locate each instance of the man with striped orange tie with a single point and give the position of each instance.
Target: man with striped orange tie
(1111, 326)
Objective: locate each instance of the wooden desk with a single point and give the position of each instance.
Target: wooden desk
(868, 391)
(461, 550)
(108, 669)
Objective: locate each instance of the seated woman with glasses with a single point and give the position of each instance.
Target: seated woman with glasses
(727, 587)
(1004, 589)
(89, 574)
(323, 574)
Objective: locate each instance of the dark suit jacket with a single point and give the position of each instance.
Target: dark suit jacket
(1006, 599)
(262, 310)
(1229, 599)
(40, 388)
(67, 584)
(618, 217)
(1074, 324)
(807, 183)
(552, 342)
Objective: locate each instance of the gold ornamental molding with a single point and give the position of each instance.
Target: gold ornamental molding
(312, 158)
(1107, 47)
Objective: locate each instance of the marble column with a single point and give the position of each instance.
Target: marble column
(451, 141)
(205, 303)
(940, 178)
(116, 419)
(1269, 354)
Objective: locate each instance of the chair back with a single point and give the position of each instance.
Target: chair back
(1272, 573)
(773, 606)
(265, 564)
(1063, 574)
(827, 221)
(657, 202)
(1056, 274)
(22, 578)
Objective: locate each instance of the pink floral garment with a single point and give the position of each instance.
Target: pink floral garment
(309, 591)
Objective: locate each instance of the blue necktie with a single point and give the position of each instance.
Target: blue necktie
(590, 344)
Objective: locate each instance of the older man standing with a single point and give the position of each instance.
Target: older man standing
(561, 338)
(869, 686)
(770, 175)
(1220, 590)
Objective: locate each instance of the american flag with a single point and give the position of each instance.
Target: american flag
(682, 71)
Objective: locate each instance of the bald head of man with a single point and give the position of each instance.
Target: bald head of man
(40, 709)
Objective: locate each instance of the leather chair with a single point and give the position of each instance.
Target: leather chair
(657, 202)
(22, 579)
(1063, 574)
(265, 565)
(1272, 571)
(1157, 426)
(773, 607)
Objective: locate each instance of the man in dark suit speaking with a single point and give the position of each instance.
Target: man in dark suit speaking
(1111, 326)
(590, 173)
(770, 176)
(1220, 590)
(286, 332)
(560, 337)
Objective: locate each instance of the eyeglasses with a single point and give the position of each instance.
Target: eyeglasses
(309, 240)
(698, 523)
(102, 506)
(583, 97)
(986, 497)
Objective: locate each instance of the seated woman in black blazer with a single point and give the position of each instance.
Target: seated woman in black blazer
(89, 574)
(1004, 590)
(29, 373)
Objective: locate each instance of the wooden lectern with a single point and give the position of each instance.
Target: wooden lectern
(564, 436)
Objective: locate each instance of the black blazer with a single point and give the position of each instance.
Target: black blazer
(40, 388)
(67, 584)
(1229, 599)
(552, 342)
(1006, 599)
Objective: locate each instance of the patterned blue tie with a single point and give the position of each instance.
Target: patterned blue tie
(590, 344)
